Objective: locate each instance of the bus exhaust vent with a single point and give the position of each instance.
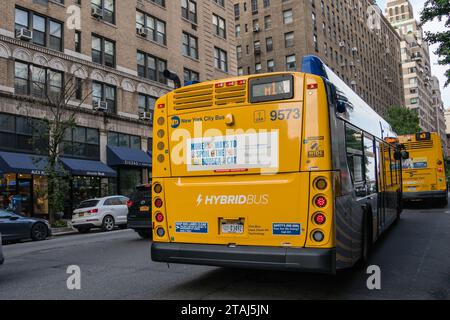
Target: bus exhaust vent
(195, 96)
(418, 145)
(235, 94)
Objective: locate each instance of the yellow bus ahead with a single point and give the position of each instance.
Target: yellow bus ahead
(424, 171)
(287, 171)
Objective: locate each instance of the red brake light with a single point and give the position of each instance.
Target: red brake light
(158, 203)
(130, 203)
(312, 86)
(93, 211)
(159, 217)
(320, 201)
(319, 218)
(219, 85)
(241, 82)
(440, 170)
(161, 106)
(230, 83)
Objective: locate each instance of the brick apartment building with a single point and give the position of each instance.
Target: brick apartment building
(274, 35)
(117, 53)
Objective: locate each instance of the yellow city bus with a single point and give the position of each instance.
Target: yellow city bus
(424, 171)
(287, 171)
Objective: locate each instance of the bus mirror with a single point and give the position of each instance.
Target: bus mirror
(405, 155)
(341, 106)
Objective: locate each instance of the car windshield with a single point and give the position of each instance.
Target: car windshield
(87, 204)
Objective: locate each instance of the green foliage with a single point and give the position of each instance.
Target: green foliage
(439, 9)
(403, 120)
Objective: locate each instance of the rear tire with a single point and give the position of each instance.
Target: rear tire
(39, 232)
(145, 234)
(108, 223)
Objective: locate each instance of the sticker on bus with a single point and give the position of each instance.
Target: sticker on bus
(191, 227)
(238, 151)
(286, 229)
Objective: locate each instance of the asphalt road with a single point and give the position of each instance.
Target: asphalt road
(414, 258)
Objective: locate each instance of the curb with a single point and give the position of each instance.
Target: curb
(62, 231)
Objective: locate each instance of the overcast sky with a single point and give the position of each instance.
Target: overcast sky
(436, 69)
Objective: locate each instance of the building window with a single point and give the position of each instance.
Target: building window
(289, 39)
(316, 45)
(107, 7)
(190, 45)
(190, 75)
(103, 51)
(254, 6)
(267, 22)
(162, 3)
(38, 82)
(270, 65)
(46, 32)
(290, 63)
(78, 41)
(239, 52)
(269, 44)
(236, 11)
(23, 134)
(220, 59)
(150, 27)
(414, 101)
(116, 139)
(238, 30)
(240, 71)
(220, 2)
(189, 10)
(151, 67)
(287, 16)
(146, 104)
(266, 3)
(81, 142)
(219, 26)
(102, 92)
(258, 67)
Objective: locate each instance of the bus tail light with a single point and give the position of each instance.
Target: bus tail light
(319, 218)
(159, 217)
(312, 86)
(321, 183)
(158, 203)
(160, 232)
(320, 201)
(318, 236)
(157, 188)
(440, 170)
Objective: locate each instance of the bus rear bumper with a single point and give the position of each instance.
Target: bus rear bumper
(425, 195)
(294, 259)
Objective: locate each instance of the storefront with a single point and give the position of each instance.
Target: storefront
(23, 183)
(89, 179)
(132, 166)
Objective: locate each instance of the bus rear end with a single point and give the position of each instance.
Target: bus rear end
(242, 174)
(424, 171)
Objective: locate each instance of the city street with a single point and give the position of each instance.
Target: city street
(413, 257)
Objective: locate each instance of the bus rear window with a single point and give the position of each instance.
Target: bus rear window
(272, 88)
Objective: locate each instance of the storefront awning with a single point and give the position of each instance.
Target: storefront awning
(11, 162)
(79, 167)
(119, 156)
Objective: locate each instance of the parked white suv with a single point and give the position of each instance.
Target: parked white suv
(105, 213)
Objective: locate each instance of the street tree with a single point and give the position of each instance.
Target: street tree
(63, 103)
(403, 120)
(439, 9)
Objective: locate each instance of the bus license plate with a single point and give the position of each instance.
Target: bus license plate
(412, 188)
(229, 227)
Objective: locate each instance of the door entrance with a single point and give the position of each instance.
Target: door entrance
(25, 192)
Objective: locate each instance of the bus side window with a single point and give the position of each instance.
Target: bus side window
(355, 158)
(370, 169)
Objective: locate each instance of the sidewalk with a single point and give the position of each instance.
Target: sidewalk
(64, 231)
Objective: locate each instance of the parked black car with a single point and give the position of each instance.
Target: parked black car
(2, 259)
(139, 211)
(15, 227)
